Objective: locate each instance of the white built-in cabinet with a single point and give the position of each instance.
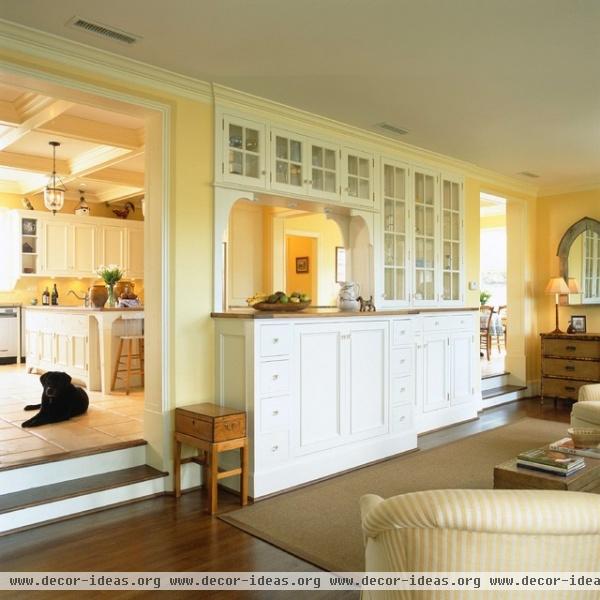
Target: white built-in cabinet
(325, 394)
(358, 178)
(71, 246)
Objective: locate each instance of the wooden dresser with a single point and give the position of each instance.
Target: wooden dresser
(568, 362)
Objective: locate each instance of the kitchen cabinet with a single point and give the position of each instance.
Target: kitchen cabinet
(84, 249)
(288, 162)
(357, 178)
(134, 265)
(112, 245)
(323, 170)
(57, 248)
(452, 241)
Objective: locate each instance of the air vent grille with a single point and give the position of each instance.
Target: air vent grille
(528, 174)
(393, 128)
(103, 30)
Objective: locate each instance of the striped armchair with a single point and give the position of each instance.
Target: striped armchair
(481, 530)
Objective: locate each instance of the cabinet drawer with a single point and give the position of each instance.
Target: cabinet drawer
(561, 388)
(274, 414)
(585, 369)
(436, 323)
(464, 322)
(194, 427)
(274, 378)
(275, 340)
(575, 348)
(402, 331)
(401, 390)
(273, 448)
(401, 417)
(401, 362)
(219, 429)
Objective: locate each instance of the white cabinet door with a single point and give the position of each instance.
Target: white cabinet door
(461, 367)
(84, 250)
(78, 354)
(56, 259)
(112, 245)
(435, 372)
(135, 252)
(367, 379)
(61, 352)
(288, 162)
(319, 387)
(243, 151)
(357, 178)
(323, 170)
(452, 241)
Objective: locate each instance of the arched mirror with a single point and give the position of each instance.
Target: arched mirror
(579, 254)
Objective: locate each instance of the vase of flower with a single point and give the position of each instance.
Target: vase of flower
(111, 274)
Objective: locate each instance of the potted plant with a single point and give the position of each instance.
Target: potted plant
(110, 274)
(484, 296)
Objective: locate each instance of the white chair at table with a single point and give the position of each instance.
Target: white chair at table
(127, 342)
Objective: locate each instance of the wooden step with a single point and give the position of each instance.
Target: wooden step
(491, 376)
(500, 391)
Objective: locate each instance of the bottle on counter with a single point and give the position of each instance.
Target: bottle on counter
(54, 296)
(46, 297)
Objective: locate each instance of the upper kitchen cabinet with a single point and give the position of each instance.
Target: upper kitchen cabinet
(395, 224)
(452, 240)
(28, 243)
(122, 245)
(243, 151)
(323, 170)
(112, 245)
(58, 249)
(134, 264)
(85, 249)
(357, 178)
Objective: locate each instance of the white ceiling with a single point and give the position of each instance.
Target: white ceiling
(511, 85)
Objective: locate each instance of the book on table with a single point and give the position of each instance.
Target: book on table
(566, 446)
(550, 461)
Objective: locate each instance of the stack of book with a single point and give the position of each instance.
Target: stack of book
(566, 446)
(549, 461)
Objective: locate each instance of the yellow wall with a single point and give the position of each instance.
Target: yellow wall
(493, 221)
(305, 283)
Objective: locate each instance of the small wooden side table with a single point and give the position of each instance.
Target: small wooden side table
(211, 429)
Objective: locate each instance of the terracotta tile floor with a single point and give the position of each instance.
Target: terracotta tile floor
(110, 418)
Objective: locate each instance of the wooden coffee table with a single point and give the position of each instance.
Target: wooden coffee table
(508, 476)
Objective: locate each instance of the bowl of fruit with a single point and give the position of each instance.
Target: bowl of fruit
(279, 302)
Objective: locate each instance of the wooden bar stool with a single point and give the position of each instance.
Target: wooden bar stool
(211, 429)
(128, 340)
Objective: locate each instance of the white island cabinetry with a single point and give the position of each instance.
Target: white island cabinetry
(329, 392)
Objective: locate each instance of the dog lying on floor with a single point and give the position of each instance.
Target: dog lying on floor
(61, 400)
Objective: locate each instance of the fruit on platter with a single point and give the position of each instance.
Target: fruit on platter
(279, 298)
(257, 298)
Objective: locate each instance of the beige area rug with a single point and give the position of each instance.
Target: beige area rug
(320, 523)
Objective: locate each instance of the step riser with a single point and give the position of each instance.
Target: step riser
(24, 478)
(493, 382)
(504, 398)
(43, 513)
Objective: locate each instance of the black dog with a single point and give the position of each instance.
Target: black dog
(61, 400)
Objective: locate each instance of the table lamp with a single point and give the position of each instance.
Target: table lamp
(557, 286)
(573, 285)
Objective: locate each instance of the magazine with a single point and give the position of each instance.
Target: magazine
(565, 445)
(552, 458)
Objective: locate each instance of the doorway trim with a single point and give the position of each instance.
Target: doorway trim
(309, 234)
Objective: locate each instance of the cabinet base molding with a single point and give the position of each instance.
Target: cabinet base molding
(428, 422)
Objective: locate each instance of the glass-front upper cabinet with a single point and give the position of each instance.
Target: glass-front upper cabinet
(323, 169)
(287, 162)
(357, 178)
(395, 215)
(243, 151)
(425, 186)
(452, 240)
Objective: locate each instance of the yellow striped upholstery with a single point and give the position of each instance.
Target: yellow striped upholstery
(585, 412)
(482, 530)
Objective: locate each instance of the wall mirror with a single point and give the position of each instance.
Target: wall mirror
(579, 254)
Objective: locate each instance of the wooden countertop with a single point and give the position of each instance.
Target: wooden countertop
(83, 309)
(311, 313)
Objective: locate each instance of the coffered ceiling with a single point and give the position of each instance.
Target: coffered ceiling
(100, 152)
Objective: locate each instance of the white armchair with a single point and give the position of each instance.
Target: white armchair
(586, 411)
(480, 530)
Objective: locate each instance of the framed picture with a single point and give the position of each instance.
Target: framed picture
(578, 324)
(340, 264)
(302, 264)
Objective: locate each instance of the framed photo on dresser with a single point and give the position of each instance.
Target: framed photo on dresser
(578, 324)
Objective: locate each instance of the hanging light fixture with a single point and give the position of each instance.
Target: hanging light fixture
(54, 193)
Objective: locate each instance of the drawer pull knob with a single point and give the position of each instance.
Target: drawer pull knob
(402, 361)
(437, 323)
(275, 413)
(569, 368)
(275, 377)
(402, 418)
(274, 448)
(402, 332)
(569, 388)
(275, 340)
(402, 389)
(571, 347)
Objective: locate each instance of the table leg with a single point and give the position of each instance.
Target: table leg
(213, 480)
(244, 478)
(177, 468)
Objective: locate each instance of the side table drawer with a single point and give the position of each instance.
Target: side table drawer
(194, 427)
(561, 388)
(218, 429)
(561, 367)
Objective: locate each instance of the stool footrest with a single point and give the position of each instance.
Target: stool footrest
(222, 474)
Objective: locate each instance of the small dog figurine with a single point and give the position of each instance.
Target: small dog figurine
(366, 305)
(61, 400)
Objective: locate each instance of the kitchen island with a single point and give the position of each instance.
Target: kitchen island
(327, 390)
(80, 341)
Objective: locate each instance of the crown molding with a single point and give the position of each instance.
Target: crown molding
(271, 110)
(557, 190)
(42, 45)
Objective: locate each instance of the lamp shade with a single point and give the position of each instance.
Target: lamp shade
(557, 285)
(573, 285)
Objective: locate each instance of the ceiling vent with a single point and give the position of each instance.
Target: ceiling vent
(103, 30)
(528, 174)
(393, 128)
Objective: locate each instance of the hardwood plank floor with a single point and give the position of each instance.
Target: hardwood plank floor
(163, 534)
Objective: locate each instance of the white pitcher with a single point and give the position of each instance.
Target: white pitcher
(348, 296)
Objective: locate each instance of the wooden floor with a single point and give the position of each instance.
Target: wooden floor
(168, 535)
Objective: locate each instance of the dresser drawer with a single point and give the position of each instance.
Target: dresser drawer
(562, 367)
(464, 322)
(561, 388)
(401, 361)
(401, 417)
(273, 448)
(274, 414)
(568, 348)
(274, 378)
(401, 390)
(436, 323)
(275, 340)
(402, 332)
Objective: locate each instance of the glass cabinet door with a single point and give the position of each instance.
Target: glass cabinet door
(287, 162)
(395, 229)
(358, 178)
(324, 171)
(425, 237)
(451, 240)
(244, 151)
